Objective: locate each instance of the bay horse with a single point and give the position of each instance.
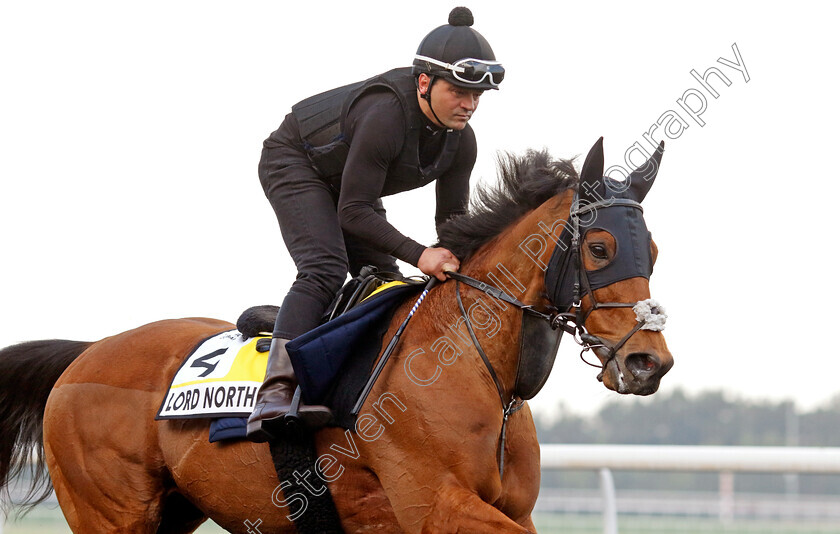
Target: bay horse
(426, 451)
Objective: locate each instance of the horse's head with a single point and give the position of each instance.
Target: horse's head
(597, 275)
(600, 272)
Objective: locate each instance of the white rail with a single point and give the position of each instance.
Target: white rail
(692, 458)
(724, 460)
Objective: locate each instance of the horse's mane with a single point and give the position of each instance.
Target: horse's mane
(525, 182)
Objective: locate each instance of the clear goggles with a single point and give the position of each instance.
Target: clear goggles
(472, 71)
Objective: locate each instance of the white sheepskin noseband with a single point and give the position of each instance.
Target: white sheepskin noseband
(651, 314)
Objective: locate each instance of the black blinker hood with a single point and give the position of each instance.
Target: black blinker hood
(605, 204)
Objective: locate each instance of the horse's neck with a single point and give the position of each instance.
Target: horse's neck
(515, 261)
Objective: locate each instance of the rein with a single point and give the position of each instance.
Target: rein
(648, 312)
(573, 323)
(515, 404)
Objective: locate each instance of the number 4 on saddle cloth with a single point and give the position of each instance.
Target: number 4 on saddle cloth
(219, 379)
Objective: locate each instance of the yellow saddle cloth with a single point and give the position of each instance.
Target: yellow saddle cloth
(220, 378)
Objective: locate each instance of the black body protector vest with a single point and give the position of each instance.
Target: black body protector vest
(321, 119)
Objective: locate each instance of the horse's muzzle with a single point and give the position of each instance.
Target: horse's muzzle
(646, 370)
(636, 373)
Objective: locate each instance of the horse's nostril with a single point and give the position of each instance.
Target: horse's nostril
(642, 363)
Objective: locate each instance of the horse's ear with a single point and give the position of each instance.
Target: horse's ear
(592, 173)
(642, 178)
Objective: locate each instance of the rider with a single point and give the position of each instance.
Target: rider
(325, 169)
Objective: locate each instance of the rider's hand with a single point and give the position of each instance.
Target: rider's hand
(434, 261)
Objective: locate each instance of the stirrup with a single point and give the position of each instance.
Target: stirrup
(292, 418)
(297, 420)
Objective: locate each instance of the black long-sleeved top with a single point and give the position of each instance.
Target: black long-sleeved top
(375, 130)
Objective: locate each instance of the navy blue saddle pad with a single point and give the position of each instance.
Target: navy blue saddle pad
(333, 362)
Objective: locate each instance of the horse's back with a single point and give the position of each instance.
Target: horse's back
(142, 359)
(119, 382)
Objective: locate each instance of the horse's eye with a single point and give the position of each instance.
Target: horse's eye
(598, 251)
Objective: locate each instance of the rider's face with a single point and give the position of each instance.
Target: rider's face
(452, 104)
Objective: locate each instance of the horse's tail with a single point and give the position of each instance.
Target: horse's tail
(28, 372)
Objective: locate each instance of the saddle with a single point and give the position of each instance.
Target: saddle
(259, 320)
(333, 362)
(352, 326)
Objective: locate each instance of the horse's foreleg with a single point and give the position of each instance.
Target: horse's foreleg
(458, 510)
(521, 481)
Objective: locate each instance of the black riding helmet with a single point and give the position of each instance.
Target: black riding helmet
(459, 54)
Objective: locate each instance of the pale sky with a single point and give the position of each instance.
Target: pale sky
(130, 134)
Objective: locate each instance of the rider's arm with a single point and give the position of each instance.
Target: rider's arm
(375, 127)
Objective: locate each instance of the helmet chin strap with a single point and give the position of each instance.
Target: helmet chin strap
(427, 96)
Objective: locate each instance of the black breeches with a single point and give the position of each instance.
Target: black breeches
(306, 211)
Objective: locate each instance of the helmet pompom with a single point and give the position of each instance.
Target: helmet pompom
(450, 43)
(461, 16)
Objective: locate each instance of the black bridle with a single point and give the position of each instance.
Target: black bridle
(583, 288)
(565, 260)
(616, 207)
